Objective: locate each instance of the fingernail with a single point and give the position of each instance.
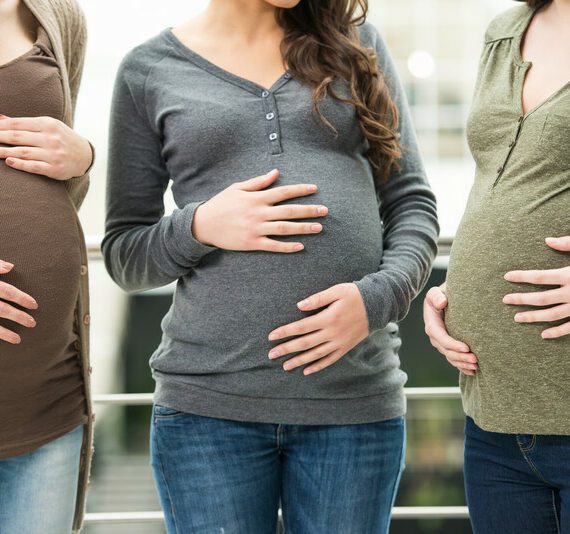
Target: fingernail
(312, 187)
(547, 335)
(316, 227)
(9, 161)
(299, 246)
(287, 366)
(519, 317)
(552, 239)
(272, 336)
(507, 299)
(273, 354)
(6, 265)
(303, 303)
(322, 210)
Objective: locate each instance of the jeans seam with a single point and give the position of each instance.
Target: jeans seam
(530, 447)
(556, 518)
(530, 463)
(174, 517)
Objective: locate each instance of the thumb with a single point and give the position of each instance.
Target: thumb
(559, 243)
(436, 298)
(5, 267)
(260, 182)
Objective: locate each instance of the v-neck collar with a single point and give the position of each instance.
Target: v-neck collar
(526, 65)
(216, 70)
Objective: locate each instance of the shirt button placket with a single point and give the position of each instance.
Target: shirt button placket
(272, 120)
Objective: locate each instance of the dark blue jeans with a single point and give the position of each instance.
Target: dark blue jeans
(229, 477)
(517, 483)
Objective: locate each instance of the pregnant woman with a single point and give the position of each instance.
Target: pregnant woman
(277, 378)
(45, 411)
(507, 294)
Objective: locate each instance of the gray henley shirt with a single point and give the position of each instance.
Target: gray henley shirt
(176, 116)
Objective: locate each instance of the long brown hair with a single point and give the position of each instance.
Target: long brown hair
(321, 43)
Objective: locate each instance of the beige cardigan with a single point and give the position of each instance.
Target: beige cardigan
(64, 22)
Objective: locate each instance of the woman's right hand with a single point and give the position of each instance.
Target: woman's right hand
(457, 353)
(11, 294)
(242, 216)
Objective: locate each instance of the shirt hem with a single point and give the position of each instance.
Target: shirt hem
(530, 425)
(341, 411)
(32, 445)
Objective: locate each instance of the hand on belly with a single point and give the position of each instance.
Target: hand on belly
(326, 336)
(9, 293)
(557, 299)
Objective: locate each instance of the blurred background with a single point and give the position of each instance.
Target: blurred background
(436, 45)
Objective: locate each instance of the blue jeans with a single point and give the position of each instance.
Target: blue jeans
(38, 490)
(221, 476)
(517, 483)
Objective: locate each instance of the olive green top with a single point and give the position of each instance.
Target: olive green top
(521, 195)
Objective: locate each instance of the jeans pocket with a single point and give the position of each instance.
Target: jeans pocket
(165, 412)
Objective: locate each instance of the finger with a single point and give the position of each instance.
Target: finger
(559, 243)
(302, 343)
(33, 167)
(323, 363)
(304, 326)
(9, 336)
(21, 138)
(315, 354)
(17, 316)
(286, 192)
(285, 212)
(259, 182)
(23, 152)
(5, 267)
(543, 316)
(540, 298)
(272, 245)
(437, 331)
(467, 372)
(469, 361)
(13, 294)
(436, 297)
(323, 298)
(544, 277)
(25, 124)
(557, 331)
(290, 228)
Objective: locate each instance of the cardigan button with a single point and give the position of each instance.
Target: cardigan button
(86, 319)
(83, 270)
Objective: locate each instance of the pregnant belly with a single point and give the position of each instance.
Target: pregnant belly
(229, 304)
(489, 243)
(39, 235)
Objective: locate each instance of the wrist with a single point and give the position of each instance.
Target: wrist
(199, 225)
(88, 158)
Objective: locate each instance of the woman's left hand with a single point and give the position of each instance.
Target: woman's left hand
(43, 145)
(557, 299)
(326, 336)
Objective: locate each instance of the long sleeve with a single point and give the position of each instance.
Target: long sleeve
(409, 215)
(142, 248)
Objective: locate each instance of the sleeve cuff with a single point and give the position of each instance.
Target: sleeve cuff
(188, 246)
(379, 300)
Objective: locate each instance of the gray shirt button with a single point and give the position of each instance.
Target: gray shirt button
(273, 136)
(265, 94)
(270, 115)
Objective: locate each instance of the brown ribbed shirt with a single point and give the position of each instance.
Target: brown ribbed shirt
(42, 390)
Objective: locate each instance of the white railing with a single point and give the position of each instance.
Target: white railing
(145, 399)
